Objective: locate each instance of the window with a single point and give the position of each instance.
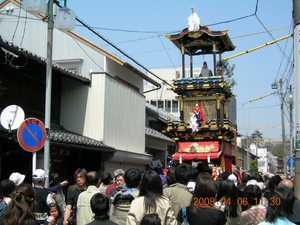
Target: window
(160, 104)
(167, 105)
(175, 106)
(153, 102)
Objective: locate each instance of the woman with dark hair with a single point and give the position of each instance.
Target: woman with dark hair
(227, 201)
(151, 200)
(271, 185)
(280, 206)
(201, 209)
(20, 210)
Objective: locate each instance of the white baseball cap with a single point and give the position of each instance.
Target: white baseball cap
(39, 173)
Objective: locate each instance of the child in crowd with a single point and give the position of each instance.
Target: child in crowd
(54, 215)
(100, 207)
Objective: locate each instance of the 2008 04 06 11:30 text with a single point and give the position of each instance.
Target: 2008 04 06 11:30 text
(240, 201)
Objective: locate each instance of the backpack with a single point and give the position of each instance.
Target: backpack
(122, 199)
(184, 216)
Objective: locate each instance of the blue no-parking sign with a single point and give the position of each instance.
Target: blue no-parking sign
(31, 135)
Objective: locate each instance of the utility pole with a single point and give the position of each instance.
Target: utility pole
(283, 128)
(296, 17)
(291, 102)
(48, 90)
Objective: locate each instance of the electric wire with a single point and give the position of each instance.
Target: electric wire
(118, 49)
(24, 29)
(167, 54)
(16, 28)
(87, 54)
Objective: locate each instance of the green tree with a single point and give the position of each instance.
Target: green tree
(253, 166)
(277, 150)
(227, 70)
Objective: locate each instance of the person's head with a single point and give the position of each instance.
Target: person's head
(151, 188)
(21, 206)
(151, 219)
(133, 178)
(280, 203)
(206, 188)
(17, 178)
(80, 177)
(118, 171)
(227, 190)
(183, 173)
(106, 178)
(171, 176)
(194, 173)
(287, 183)
(54, 210)
(232, 177)
(119, 181)
(7, 188)
(258, 178)
(39, 176)
(273, 182)
(253, 193)
(151, 184)
(93, 178)
(245, 178)
(203, 167)
(205, 65)
(225, 175)
(100, 206)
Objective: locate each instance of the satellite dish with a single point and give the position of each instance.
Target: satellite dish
(12, 117)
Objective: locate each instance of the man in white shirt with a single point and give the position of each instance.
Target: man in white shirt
(205, 72)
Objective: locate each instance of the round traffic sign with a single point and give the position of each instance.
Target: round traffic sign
(31, 134)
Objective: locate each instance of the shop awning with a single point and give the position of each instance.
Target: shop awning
(196, 156)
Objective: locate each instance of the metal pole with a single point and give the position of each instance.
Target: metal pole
(283, 129)
(291, 130)
(248, 154)
(48, 90)
(296, 16)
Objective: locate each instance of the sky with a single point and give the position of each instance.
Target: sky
(138, 27)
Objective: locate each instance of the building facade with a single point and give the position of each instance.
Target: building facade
(97, 106)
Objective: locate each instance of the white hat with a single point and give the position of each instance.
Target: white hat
(39, 173)
(254, 182)
(233, 178)
(17, 178)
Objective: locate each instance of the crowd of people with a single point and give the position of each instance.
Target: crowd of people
(182, 195)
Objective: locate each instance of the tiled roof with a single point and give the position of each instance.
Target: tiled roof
(63, 137)
(156, 134)
(6, 45)
(162, 115)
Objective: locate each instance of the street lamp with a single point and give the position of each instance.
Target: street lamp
(37, 6)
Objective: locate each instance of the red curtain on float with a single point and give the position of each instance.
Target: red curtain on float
(228, 164)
